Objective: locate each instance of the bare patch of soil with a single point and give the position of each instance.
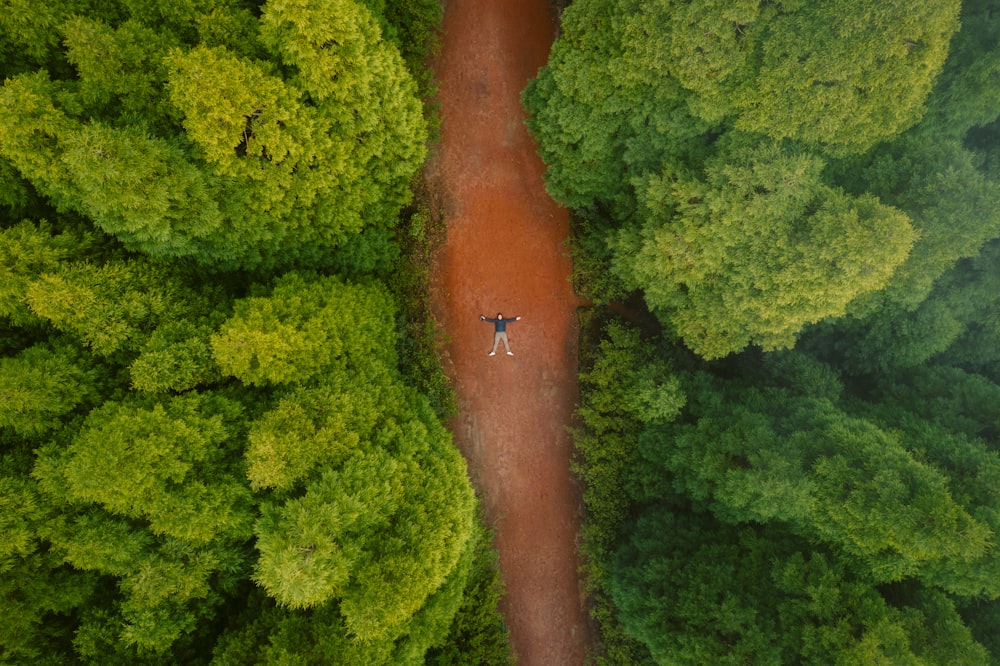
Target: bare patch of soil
(505, 251)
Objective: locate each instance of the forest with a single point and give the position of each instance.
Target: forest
(221, 435)
(788, 214)
(220, 442)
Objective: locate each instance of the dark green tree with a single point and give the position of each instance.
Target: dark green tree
(39, 593)
(951, 203)
(866, 491)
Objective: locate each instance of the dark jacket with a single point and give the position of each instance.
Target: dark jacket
(500, 325)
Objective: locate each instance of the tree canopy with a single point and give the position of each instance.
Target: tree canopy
(264, 150)
(210, 449)
(785, 215)
(671, 127)
(759, 249)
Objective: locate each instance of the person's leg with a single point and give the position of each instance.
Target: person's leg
(506, 342)
(496, 341)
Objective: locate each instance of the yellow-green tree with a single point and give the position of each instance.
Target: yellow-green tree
(269, 149)
(758, 249)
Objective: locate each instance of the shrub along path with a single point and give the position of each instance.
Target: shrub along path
(505, 251)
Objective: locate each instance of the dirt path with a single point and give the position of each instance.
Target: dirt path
(505, 251)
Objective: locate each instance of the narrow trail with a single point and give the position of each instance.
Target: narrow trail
(505, 251)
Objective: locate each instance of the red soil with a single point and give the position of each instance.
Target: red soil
(505, 251)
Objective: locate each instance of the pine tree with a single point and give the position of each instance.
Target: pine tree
(29, 250)
(380, 532)
(160, 461)
(305, 328)
(759, 249)
(43, 384)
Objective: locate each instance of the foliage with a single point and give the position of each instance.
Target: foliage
(478, 634)
(606, 449)
(693, 139)
(768, 175)
(780, 517)
(418, 345)
(633, 83)
(733, 595)
(249, 156)
(303, 329)
(757, 250)
(207, 455)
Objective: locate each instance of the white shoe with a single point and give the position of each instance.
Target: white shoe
(510, 353)
(493, 353)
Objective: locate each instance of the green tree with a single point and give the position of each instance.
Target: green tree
(368, 505)
(304, 328)
(41, 385)
(954, 322)
(601, 115)
(140, 189)
(943, 414)
(111, 307)
(625, 384)
(38, 592)
(478, 633)
(157, 455)
(160, 589)
(149, 494)
(955, 399)
(367, 99)
(311, 427)
(964, 96)
(972, 292)
(983, 617)
(766, 455)
(251, 115)
(176, 357)
(29, 138)
(237, 165)
(950, 201)
(759, 249)
(632, 84)
(121, 69)
(27, 251)
(713, 593)
(14, 194)
(380, 531)
(266, 634)
(29, 33)
(130, 184)
(844, 75)
(161, 461)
